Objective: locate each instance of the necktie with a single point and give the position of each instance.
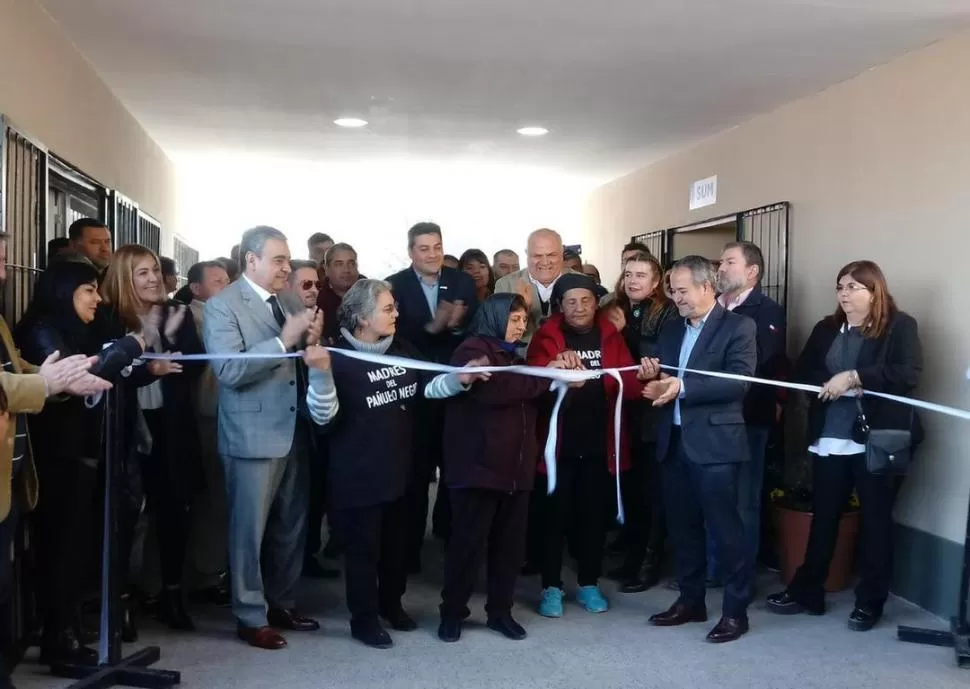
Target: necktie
(274, 304)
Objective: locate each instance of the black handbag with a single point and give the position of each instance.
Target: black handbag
(889, 451)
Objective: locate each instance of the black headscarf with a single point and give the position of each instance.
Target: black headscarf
(568, 281)
(492, 319)
(53, 304)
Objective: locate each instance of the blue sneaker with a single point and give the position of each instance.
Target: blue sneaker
(551, 603)
(592, 599)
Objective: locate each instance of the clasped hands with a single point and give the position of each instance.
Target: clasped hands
(661, 388)
(840, 384)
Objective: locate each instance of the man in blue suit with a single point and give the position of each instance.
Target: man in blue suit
(435, 306)
(701, 444)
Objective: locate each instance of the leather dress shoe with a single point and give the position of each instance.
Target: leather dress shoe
(64, 647)
(784, 603)
(863, 619)
(266, 638)
(678, 614)
(291, 620)
(728, 629)
(646, 578)
(507, 627)
(171, 611)
(449, 631)
(399, 620)
(370, 633)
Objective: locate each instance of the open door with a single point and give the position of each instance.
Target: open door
(768, 228)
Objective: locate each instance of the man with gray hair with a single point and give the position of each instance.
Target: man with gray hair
(263, 439)
(701, 443)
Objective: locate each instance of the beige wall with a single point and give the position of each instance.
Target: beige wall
(877, 167)
(707, 241)
(49, 91)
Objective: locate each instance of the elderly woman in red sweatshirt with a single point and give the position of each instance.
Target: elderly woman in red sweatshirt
(586, 453)
(490, 462)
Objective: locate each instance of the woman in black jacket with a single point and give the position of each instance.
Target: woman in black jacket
(166, 443)
(491, 452)
(640, 311)
(867, 344)
(66, 440)
(370, 411)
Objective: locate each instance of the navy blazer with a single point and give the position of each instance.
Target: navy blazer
(712, 420)
(414, 314)
(769, 317)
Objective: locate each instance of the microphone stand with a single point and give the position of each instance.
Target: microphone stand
(112, 669)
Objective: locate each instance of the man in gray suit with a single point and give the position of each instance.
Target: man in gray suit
(263, 440)
(544, 265)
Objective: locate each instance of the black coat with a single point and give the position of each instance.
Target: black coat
(414, 314)
(490, 430)
(769, 316)
(69, 430)
(891, 363)
(644, 341)
(372, 437)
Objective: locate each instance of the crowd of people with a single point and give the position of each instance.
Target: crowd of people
(254, 454)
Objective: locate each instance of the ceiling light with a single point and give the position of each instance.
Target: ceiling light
(533, 131)
(350, 122)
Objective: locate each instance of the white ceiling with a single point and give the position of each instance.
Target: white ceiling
(619, 82)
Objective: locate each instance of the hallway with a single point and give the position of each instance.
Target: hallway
(611, 651)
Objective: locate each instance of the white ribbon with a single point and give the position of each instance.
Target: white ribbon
(561, 378)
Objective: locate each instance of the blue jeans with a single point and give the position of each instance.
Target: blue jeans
(750, 484)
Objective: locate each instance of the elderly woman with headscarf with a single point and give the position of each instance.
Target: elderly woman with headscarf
(585, 339)
(490, 463)
(370, 409)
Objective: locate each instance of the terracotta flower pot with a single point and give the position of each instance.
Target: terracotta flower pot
(793, 527)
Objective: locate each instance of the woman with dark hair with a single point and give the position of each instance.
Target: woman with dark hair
(475, 263)
(67, 444)
(867, 344)
(166, 443)
(370, 411)
(640, 310)
(490, 464)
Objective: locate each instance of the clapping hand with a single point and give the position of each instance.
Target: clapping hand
(443, 317)
(293, 328)
(315, 331)
(662, 392)
(59, 373)
(458, 311)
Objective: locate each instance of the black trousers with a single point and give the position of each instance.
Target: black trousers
(696, 494)
(374, 556)
(833, 479)
(429, 456)
(62, 525)
(165, 499)
(646, 527)
(536, 529)
(318, 497)
(9, 644)
(581, 502)
(486, 523)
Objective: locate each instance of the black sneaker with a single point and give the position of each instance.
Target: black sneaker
(507, 627)
(370, 633)
(863, 619)
(399, 620)
(449, 631)
(784, 603)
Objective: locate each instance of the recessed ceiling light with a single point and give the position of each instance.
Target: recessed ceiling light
(533, 131)
(350, 122)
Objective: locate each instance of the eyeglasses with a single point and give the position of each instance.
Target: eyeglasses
(850, 287)
(307, 284)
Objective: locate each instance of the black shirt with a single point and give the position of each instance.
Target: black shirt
(585, 413)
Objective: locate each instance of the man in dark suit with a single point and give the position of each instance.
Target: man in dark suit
(435, 307)
(702, 443)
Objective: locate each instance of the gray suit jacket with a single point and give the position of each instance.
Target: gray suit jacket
(510, 284)
(258, 397)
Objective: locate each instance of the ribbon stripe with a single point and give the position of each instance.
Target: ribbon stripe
(561, 379)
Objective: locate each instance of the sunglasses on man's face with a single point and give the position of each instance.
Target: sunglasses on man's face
(307, 284)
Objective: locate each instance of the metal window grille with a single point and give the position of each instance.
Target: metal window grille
(149, 232)
(657, 242)
(768, 228)
(124, 219)
(23, 201)
(185, 258)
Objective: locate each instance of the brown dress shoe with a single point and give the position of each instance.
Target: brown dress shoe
(261, 637)
(678, 614)
(728, 629)
(291, 619)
